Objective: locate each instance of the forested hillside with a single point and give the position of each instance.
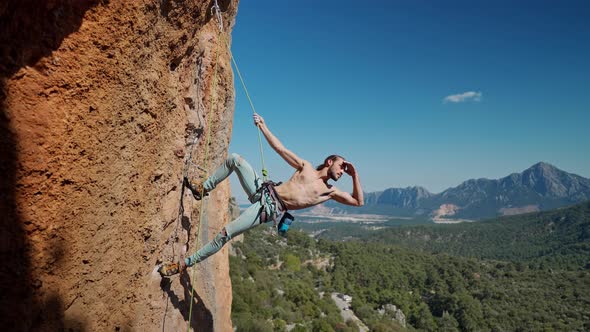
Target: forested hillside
(277, 282)
(441, 292)
(558, 238)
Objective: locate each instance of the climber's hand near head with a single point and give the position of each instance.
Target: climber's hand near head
(258, 120)
(349, 168)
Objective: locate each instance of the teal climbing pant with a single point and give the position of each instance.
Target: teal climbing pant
(250, 218)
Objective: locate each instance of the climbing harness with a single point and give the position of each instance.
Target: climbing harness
(269, 196)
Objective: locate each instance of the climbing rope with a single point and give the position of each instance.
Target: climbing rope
(207, 145)
(217, 12)
(185, 174)
(233, 59)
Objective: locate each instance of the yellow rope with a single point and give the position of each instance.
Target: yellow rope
(206, 160)
(264, 171)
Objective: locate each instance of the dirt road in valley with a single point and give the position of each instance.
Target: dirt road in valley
(347, 313)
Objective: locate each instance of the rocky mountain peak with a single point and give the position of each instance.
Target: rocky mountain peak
(541, 186)
(543, 168)
(420, 192)
(548, 180)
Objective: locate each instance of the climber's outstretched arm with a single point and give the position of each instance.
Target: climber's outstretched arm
(290, 157)
(357, 196)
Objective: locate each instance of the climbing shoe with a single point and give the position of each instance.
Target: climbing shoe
(170, 269)
(196, 188)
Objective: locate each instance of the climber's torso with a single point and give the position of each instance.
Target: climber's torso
(304, 189)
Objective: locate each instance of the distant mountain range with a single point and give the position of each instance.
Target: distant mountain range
(540, 187)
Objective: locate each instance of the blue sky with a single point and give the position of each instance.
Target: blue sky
(368, 80)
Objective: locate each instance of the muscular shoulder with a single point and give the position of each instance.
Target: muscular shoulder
(305, 166)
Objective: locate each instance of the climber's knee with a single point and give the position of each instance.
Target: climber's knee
(223, 236)
(236, 159)
(220, 239)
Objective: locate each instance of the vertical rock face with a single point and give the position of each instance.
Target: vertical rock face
(100, 104)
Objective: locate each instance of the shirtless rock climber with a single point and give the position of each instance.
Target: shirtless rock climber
(270, 201)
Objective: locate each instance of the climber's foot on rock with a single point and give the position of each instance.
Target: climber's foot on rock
(170, 269)
(196, 189)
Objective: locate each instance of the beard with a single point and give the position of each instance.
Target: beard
(333, 175)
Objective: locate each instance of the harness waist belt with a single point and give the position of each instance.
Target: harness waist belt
(281, 209)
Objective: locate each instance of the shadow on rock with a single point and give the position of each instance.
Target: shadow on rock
(29, 31)
(201, 318)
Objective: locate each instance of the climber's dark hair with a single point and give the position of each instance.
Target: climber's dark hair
(325, 164)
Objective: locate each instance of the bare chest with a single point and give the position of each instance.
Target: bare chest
(303, 191)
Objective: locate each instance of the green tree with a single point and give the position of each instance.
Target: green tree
(320, 325)
(448, 323)
(423, 318)
(470, 316)
(292, 263)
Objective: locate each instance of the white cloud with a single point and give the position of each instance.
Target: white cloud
(463, 97)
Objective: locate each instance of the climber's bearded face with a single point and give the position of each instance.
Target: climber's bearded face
(336, 168)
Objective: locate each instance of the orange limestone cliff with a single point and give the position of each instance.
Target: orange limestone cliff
(103, 106)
